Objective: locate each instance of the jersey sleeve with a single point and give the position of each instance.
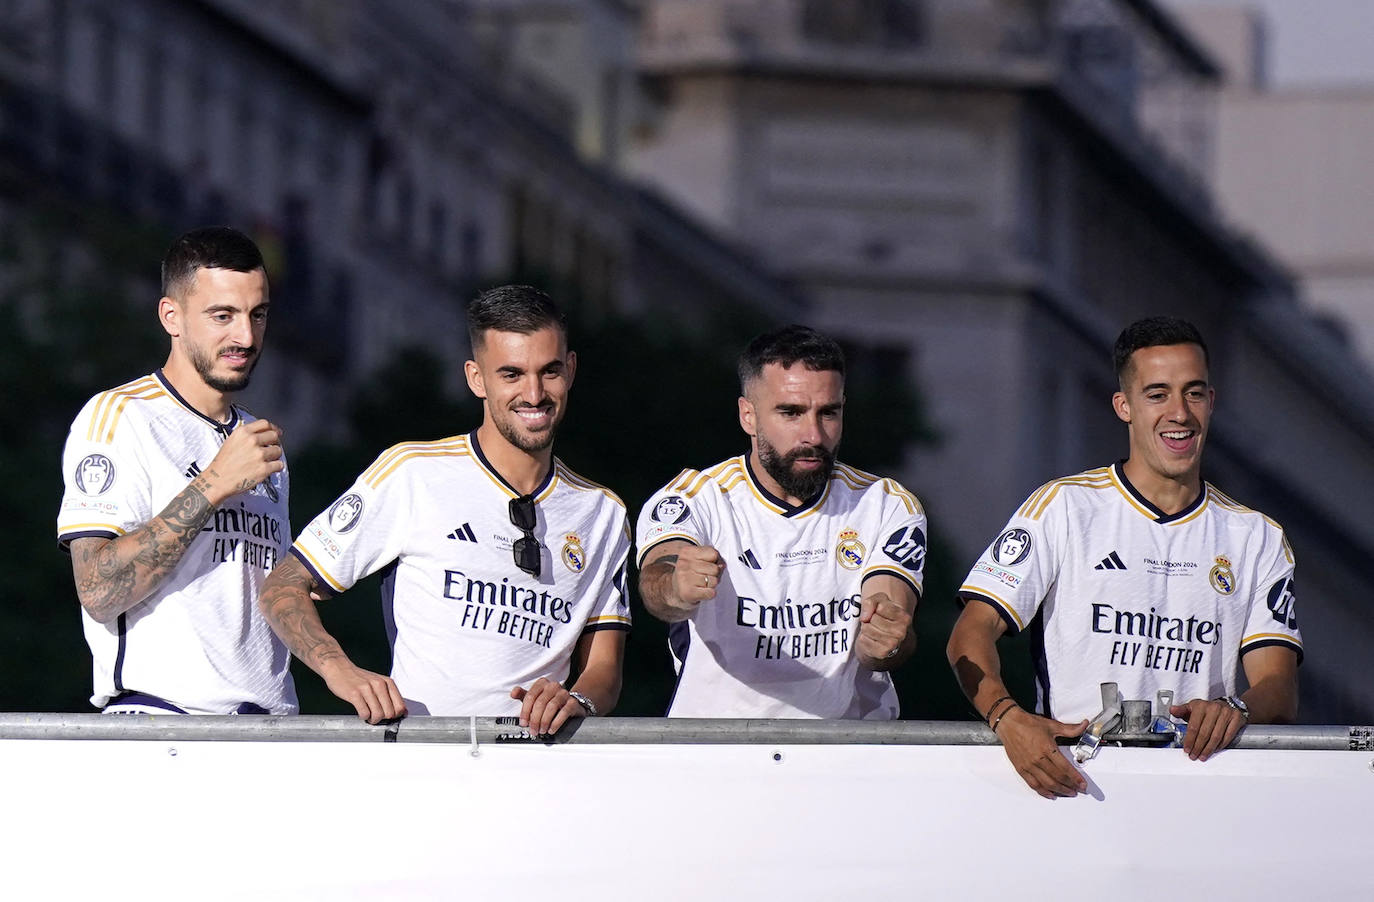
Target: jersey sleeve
(676, 511)
(899, 545)
(1273, 616)
(106, 488)
(1017, 570)
(361, 532)
(612, 607)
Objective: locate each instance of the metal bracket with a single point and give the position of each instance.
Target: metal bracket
(1108, 717)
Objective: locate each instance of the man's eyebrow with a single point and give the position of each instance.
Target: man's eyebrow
(1196, 383)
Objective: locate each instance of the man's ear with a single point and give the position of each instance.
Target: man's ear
(746, 417)
(474, 377)
(1122, 407)
(169, 315)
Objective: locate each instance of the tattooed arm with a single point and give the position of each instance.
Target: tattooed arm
(113, 575)
(288, 604)
(677, 576)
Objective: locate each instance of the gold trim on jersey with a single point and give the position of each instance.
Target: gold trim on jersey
(858, 480)
(1035, 506)
(1260, 637)
(393, 457)
(659, 540)
(561, 471)
(606, 618)
(319, 569)
(1001, 602)
(110, 406)
(81, 527)
(889, 570)
(1221, 499)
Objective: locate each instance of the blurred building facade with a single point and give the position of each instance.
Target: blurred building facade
(985, 192)
(1309, 196)
(383, 164)
(979, 193)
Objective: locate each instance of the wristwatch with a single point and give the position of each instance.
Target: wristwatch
(1235, 702)
(583, 701)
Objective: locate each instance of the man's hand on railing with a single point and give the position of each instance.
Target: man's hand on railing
(1029, 741)
(1212, 725)
(374, 696)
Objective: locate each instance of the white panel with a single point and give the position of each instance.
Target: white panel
(210, 820)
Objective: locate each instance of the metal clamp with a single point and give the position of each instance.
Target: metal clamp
(1108, 717)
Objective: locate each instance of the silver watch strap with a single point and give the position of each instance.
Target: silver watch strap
(584, 702)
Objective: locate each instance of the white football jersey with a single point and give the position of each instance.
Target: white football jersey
(466, 624)
(198, 640)
(778, 638)
(1130, 595)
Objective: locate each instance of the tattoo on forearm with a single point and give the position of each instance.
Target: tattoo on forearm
(293, 616)
(122, 572)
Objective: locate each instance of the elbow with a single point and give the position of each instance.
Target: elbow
(101, 613)
(954, 648)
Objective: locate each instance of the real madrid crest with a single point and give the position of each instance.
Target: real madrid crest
(849, 551)
(1221, 577)
(574, 558)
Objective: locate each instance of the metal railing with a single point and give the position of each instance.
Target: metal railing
(592, 731)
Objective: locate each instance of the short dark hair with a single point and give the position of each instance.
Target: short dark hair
(513, 308)
(787, 346)
(211, 247)
(1152, 332)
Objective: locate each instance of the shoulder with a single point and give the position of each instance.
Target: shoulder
(1242, 517)
(883, 489)
(576, 483)
(405, 457)
(719, 479)
(102, 415)
(1093, 485)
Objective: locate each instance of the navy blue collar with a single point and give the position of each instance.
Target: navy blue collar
(788, 509)
(482, 458)
(1160, 517)
(223, 428)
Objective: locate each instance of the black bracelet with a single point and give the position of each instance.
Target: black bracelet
(1005, 711)
(993, 707)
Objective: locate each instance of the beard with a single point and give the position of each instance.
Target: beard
(802, 485)
(205, 367)
(525, 441)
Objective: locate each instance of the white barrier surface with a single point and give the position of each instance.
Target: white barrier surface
(282, 820)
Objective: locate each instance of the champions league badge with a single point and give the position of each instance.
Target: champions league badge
(344, 515)
(95, 474)
(849, 551)
(1012, 547)
(670, 510)
(573, 557)
(1221, 577)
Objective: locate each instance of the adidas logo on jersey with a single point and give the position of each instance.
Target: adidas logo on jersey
(746, 557)
(193, 471)
(1111, 562)
(463, 534)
